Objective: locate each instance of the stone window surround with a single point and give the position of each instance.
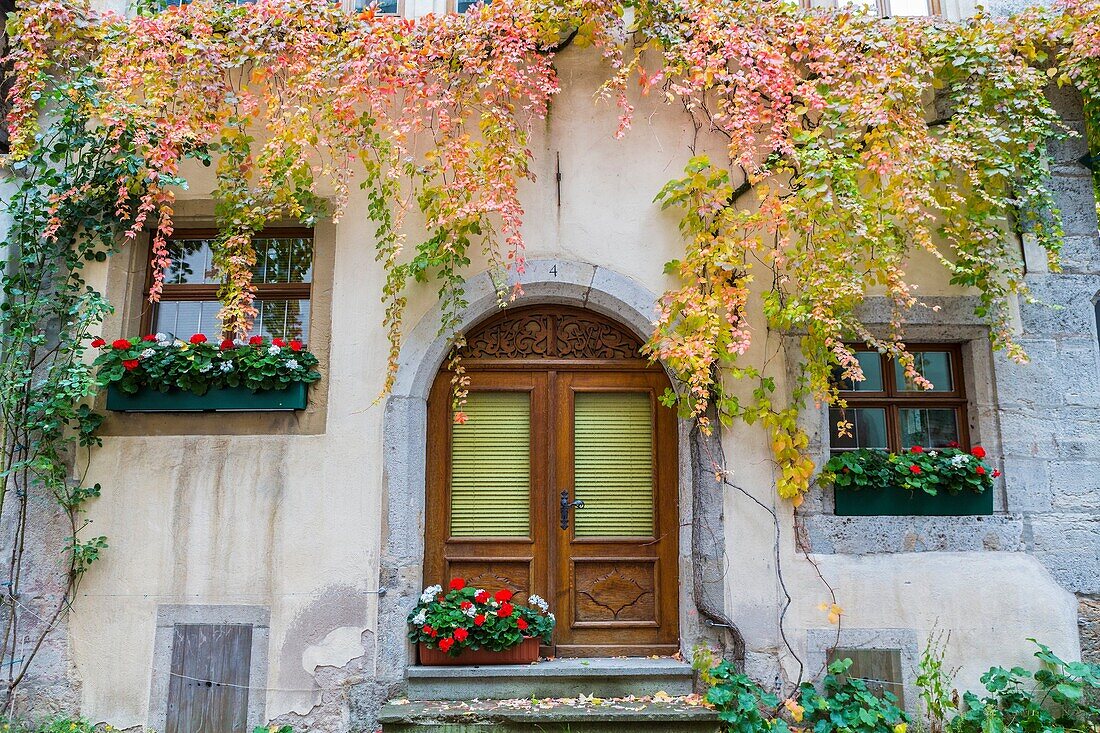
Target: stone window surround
(820, 641)
(404, 453)
(126, 287)
(981, 413)
(168, 616)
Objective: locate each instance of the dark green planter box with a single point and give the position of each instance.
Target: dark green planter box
(899, 502)
(226, 398)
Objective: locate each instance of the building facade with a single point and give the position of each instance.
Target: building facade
(296, 542)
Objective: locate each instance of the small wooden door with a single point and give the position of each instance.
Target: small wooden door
(562, 408)
(208, 688)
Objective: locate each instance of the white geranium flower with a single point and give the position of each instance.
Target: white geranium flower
(420, 618)
(226, 366)
(539, 602)
(273, 349)
(933, 453)
(960, 460)
(429, 594)
(179, 344)
(471, 611)
(146, 353)
(291, 363)
(205, 368)
(162, 338)
(240, 341)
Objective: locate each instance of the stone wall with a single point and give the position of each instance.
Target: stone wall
(1042, 417)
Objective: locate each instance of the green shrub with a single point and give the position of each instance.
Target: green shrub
(844, 705)
(1060, 697)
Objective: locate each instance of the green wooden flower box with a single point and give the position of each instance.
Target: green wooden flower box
(223, 399)
(893, 501)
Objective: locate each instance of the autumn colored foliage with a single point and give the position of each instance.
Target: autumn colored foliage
(852, 144)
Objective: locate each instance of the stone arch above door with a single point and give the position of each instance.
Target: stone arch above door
(598, 289)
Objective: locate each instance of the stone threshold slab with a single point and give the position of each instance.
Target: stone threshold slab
(557, 678)
(577, 715)
(594, 667)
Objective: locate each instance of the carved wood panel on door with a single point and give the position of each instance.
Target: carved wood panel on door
(562, 409)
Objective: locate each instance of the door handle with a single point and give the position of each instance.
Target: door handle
(566, 505)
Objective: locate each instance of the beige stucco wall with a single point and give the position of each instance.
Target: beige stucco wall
(292, 522)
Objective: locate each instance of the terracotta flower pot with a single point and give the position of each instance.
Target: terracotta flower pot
(526, 652)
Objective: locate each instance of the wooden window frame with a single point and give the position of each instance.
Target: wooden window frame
(400, 12)
(195, 292)
(891, 399)
(882, 7)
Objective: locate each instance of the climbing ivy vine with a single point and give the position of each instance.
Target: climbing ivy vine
(852, 145)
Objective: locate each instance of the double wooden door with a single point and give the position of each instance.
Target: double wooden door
(562, 482)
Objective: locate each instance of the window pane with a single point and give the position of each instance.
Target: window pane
(930, 428)
(183, 318)
(385, 7)
(463, 5)
(613, 464)
(871, 5)
(191, 263)
(935, 366)
(867, 429)
(871, 363)
(909, 8)
(283, 260)
(491, 466)
(285, 319)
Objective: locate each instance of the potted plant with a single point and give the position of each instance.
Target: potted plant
(157, 373)
(467, 625)
(944, 482)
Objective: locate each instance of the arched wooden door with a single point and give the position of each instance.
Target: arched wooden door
(562, 408)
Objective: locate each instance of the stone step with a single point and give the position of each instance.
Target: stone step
(576, 715)
(557, 678)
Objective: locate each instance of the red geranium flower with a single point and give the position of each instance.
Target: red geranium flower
(149, 337)
(505, 610)
(256, 341)
(130, 364)
(481, 596)
(996, 473)
(521, 624)
(980, 470)
(465, 605)
(479, 619)
(461, 634)
(227, 344)
(120, 344)
(295, 345)
(430, 631)
(914, 469)
(446, 644)
(978, 452)
(503, 595)
(198, 338)
(278, 342)
(916, 449)
(98, 343)
(952, 444)
(457, 584)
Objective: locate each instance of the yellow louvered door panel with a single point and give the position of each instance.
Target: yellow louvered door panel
(613, 464)
(491, 467)
(615, 574)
